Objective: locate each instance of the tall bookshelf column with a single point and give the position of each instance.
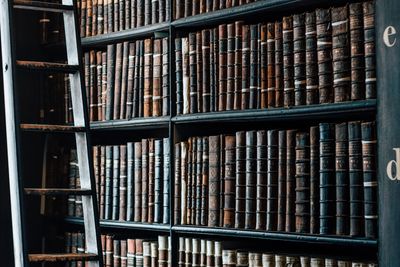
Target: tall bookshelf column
(388, 119)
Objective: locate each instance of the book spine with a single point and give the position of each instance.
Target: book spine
(83, 15)
(237, 66)
(188, 252)
(199, 70)
(214, 181)
(131, 252)
(290, 180)
(151, 183)
(240, 201)
(139, 252)
(204, 183)
(288, 61)
(158, 182)
(115, 183)
(251, 179)
(254, 63)
(299, 47)
(314, 179)
(130, 80)
(229, 182)
(179, 9)
(281, 180)
(268, 65)
(181, 252)
(185, 77)
(279, 89)
(272, 180)
(214, 70)
(245, 97)
(184, 182)
(199, 177)
(261, 168)
(110, 81)
(124, 253)
(71, 182)
(206, 70)
(369, 49)
(312, 96)
(138, 182)
(118, 81)
(223, 66)
(178, 186)
(166, 179)
(102, 181)
(190, 205)
(145, 179)
(195, 252)
(165, 78)
(222, 181)
(137, 79)
(130, 183)
(123, 183)
(155, 6)
(116, 252)
(157, 76)
(93, 115)
(124, 80)
(148, 63)
(230, 83)
(162, 251)
(108, 183)
(193, 72)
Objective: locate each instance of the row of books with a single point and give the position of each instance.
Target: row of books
(132, 181)
(106, 16)
(128, 80)
(318, 57)
(186, 8)
(319, 180)
(201, 252)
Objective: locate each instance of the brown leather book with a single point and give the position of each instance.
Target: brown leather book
(139, 252)
(93, 87)
(138, 182)
(281, 180)
(186, 98)
(241, 172)
(251, 179)
(124, 253)
(222, 60)
(369, 49)
(157, 76)
(312, 96)
(254, 65)
(214, 181)
(261, 169)
(118, 80)
(199, 71)
(204, 183)
(124, 81)
(245, 67)
(179, 75)
(131, 252)
(109, 251)
(162, 251)
(214, 70)
(151, 181)
(272, 180)
(288, 61)
(230, 84)
(193, 72)
(191, 191)
(299, 53)
(102, 181)
(177, 185)
(314, 180)
(123, 183)
(270, 63)
(183, 176)
(237, 102)
(130, 80)
(145, 180)
(290, 180)
(205, 37)
(147, 253)
(263, 58)
(148, 63)
(279, 91)
(229, 182)
(165, 77)
(222, 180)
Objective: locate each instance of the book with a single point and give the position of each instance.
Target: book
(290, 180)
(229, 182)
(214, 181)
(314, 179)
(288, 61)
(251, 179)
(241, 180)
(272, 180)
(312, 81)
(369, 49)
(261, 180)
(299, 54)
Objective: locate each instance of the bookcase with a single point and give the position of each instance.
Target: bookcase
(180, 127)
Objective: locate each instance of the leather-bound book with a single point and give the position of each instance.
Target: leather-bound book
(181, 252)
(131, 252)
(140, 13)
(188, 252)
(139, 252)
(342, 179)
(151, 181)
(223, 68)
(240, 201)
(214, 70)
(146, 253)
(196, 7)
(145, 180)
(327, 178)
(191, 182)
(123, 183)
(86, 60)
(116, 15)
(109, 251)
(118, 80)
(279, 95)
(177, 185)
(89, 17)
(253, 89)
(263, 78)
(237, 101)
(214, 181)
(314, 180)
(356, 179)
(147, 12)
(157, 76)
(155, 5)
(166, 178)
(280, 261)
(251, 179)
(186, 97)
(305, 261)
(222, 180)
(368, 135)
(281, 180)
(317, 262)
(115, 183)
(299, 53)
(357, 51)
(154, 253)
(110, 81)
(270, 61)
(137, 81)
(83, 18)
(302, 182)
(127, 17)
(93, 115)
(288, 61)
(124, 253)
(103, 85)
(179, 9)
(110, 16)
(341, 54)
(261, 168)
(204, 183)
(162, 251)
(108, 183)
(116, 252)
(198, 179)
(134, 11)
(205, 38)
(268, 260)
(148, 63)
(245, 67)
(218, 253)
(102, 181)
(242, 258)
(324, 48)
(195, 252)
(290, 180)
(230, 83)
(229, 182)
(193, 72)
(312, 96)
(72, 182)
(210, 253)
(369, 49)
(130, 80)
(330, 263)
(138, 182)
(272, 180)
(188, 8)
(199, 71)
(203, 253)
(124, 79)
(158, 180)
(229, 258)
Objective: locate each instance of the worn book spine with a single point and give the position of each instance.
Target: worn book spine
(191, 192)
(136, 110)
(102, 181)
(341, 54)
(195, 252)
(110, 81)
(193, 72)
(302, 182)
(184, 172)
(272, 180)
(205, 38)
(203, 253)
(146, 253)
(214, 70)
(299, 53)
(83, 18)
(312, 96)
(145, 180)
(324, 48)
(369, 49)
(181, 252)
(118, 80)
(356, 27)
(158, 180)
(204, 183)
(223, 68)
(281, 180)
(187, 8)
(179, 9)
(130, 80)
(86, 60)
(186, 98)
(279, 89)
(148, 92)
(157, 76)
(123, 183)
(214, 181)
(162, 251)
(139, 252)
(251, 179)
(178, 185)
(210, 253)
(89, 17)
(151, 181)
(166, 179)
(240, 192)
(116, 15)
(93, 115)
(288, 61)
(238, 66)
(124, 78)
(342, 179)
(222, 180)
(165, 78)
(196, 7)
(356, 179)
(154, 254)
(147, 12)
(131, 252)
(130, 183)
(188, 252)
(290, 180)
(263, 66)
(139, 13)
(267, 62)
(138, 182)
(72, 182)
(261, 173)
(327, 178)
(245, 67)
(116, 252)
(199, 70)
(155, 6)
(199, 174)
(230, 83)
(254, 63)
(108, 183)
(96, 167)
(314, 179)
(229, 182)
(115, 182)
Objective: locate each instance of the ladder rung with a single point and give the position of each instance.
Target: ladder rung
(42, 6)
(51, 128)
(47, 66)
(62, 257)
(57, 191)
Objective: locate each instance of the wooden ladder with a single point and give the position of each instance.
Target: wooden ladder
(80, 129)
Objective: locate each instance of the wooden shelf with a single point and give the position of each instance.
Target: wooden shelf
(132, 124)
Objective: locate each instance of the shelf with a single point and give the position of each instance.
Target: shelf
(133, 124)
(113, 37)
(364, 108)
(123, 225)
(276, 236)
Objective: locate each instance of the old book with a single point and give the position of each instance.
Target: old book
(166, 179)
(193, 73)
(110, 81)
(302, 182)
(241, 183)
(223, 68)
(186, 98)
(109, 250)
(104, 85)
(195, 7)
(205, 38)
(184, 171)
(199, 178)
(179, 9)
(154, 254)
(369, 49)
(222, 180)
(158, 180)
(251, 179)
(86, 60)
(245, 67)
(288, 61)
(188, 8)
(242, 258)
(72, 182)
(83, 16)
(130, 80)
(145, 180)
(214, 181)
(268, 61)
(210, 252)
(118, 80)
(138, 182)
(299, 54)
(102, 181)
(137, 82)
(181, 252)
(195, 252)
(327, 178)
(162, 251)
(263, 65)
(199, 70)
(93, 115)
(368, 139)
(116, 252)
(108, 183)
(312, 96)
(229, 182)
(279, 89)
(188, 252)
(237, 102)
(204, 183)
(123, 183)
(165, 77)
(147, 12)
(281, 180)
(203, 253)
(151, 181)
(341, 54)
(254, 63)
(124, 80)
(130, 182)
(131, 252)
(314, 179)
(214, 70)
(147, 253)
(324, 48)
(115, 182)
(261, 169)
(230, 83)
(124, 253)
(140, 13)
(142, 78)
(139, 252)
(191, 183)
(155, 6)
(148, 63)
(272, 180)
(157, 76)
(342, 179)
(177, 185)
(229, 258)
(290, 180)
